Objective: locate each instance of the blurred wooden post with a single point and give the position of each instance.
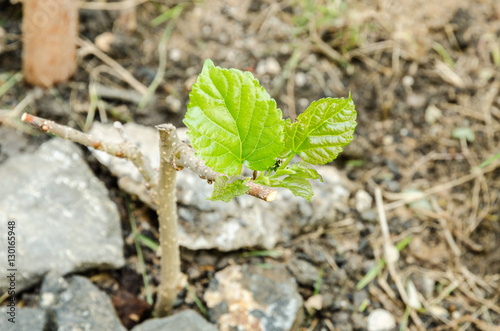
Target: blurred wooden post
(50, 32)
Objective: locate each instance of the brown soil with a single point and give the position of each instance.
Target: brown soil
(403, 61)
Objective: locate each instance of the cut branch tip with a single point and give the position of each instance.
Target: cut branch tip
(26, 117)
(271, 196)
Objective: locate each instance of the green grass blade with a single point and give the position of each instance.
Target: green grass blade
(149, 243)
(13, 80)
(197, 301)
(373, 272)
(140, 257)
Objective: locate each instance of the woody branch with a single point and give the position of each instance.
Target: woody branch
(184, 156)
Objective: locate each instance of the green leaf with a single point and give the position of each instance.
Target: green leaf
(296, 179)
(306, 170)
(299, 186)
(226, 188)
(232, 121)
(322, 130)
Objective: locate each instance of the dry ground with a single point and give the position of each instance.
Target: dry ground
(424, 75)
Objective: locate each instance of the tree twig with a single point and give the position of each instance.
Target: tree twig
(167, 220)
(184, 156)
(124, 149)
(390, 262)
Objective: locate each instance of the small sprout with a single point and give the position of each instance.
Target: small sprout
(258, 137)
(466, 133)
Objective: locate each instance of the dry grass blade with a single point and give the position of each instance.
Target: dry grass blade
(448, 75)
(407, 198)
(390, 261)
(89, 47)
(94, 5)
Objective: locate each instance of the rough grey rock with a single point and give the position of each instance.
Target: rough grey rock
(245, 221)
(251, 298)
(26, 319)
(65, 221)
(187, 320)
(13, 142)
(304, 272)
(77, 304)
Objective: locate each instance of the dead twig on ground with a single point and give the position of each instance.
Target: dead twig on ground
(121, 5)
(88, 47)
(391, 258)
(405, 198)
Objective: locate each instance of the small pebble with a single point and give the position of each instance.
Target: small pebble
(380, 320)
(206, 30)
(312, 59)
(314, 303)
(416, 100)
(439, 312)
(104, 41)
(268, 66)
(363, 201)
(388, 140)
(408, 81)
(358, 321)
(391, 253)
(173, 103)
(369, 215)
(175, 54)
(413, 300)
(432, 114)
(300, 79)
(303, 104)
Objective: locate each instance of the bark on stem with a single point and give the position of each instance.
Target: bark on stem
(174, 155)
(167, 219)
(185, 158)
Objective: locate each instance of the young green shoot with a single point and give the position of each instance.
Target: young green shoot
(140, 257)
(319, 281)
(197, 301)
(374, 271)
(233, 122)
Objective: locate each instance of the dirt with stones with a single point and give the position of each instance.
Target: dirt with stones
(423, 76)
